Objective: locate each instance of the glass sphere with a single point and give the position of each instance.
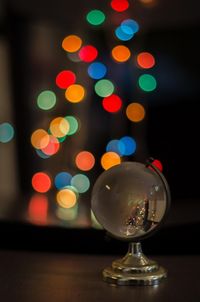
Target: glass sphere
(130, 200)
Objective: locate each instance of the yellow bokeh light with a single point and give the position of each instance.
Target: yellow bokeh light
(66, 198)
(71, 43)
(59, 127)
(121, 53)
(135, 112)
(110, 159)
(40, 139)
(75, 93)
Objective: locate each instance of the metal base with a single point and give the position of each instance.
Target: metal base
(134, 269)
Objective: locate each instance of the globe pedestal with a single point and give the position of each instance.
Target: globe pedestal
(134, 269)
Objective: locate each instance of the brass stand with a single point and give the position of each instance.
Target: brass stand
(134, 269)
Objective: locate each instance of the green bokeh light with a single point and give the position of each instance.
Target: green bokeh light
(46, 100)
(80, 182)
(67, 214)
(73, 124)
(147, 82)
(95, 17)
(62, 139)
(104, 88)
(6, 132)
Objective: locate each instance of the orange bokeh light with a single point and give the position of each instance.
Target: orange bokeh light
(135, 112)
(121, 53)
(41, 182)
(149, 2)
(40, 139)
(75, 93)
(59, 127)
(71, 43)
(110, 159)
(85, 160)
(145, 60)
(66, 198)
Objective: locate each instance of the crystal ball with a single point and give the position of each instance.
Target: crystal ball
(130, 200)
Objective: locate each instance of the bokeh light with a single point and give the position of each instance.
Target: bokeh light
(88, 53)
(147, 82)
(85, 160)
(59, 127)
(40, 139)
(73, 56)
(38, 209)
(124, 33)
(63, 138)
(130, 145)
(135, 112)
(119, 5)
(110, 159)
(157, 163)
(97, 70)
(80, 182)
(71, 43)
(66, 198)
(104, 88)
(65, 78)
(121, 53)
(62, 180)
(46, 100)
(116, 146)
(73, 124)
(112, 103)
(130, 25)
(41, 154)
(145, 60)
(41, 182)
(75, 93)
(67, 214)
(6, 132)
(52, 147)
(95, 17)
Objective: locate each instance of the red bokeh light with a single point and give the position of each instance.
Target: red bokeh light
(85, 160)
(65, 78)
(41, 182)
(112, 103)
(145, 60)
(88, 53)
(38, 209)
(157, 163)
(119, 5)
(52, 147)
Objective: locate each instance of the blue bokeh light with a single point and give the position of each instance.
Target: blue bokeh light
(97, 70)
(130, 145)
(42, 154)
(129, 25)
(122, 35)
(62, 180)
(116, 146)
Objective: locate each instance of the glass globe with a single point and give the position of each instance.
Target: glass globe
(130, 200)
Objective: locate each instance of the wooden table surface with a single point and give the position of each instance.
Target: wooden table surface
(46, 277)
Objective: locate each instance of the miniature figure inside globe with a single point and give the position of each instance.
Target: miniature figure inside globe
(130, 200)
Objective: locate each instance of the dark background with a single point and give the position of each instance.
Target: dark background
(170, 30)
